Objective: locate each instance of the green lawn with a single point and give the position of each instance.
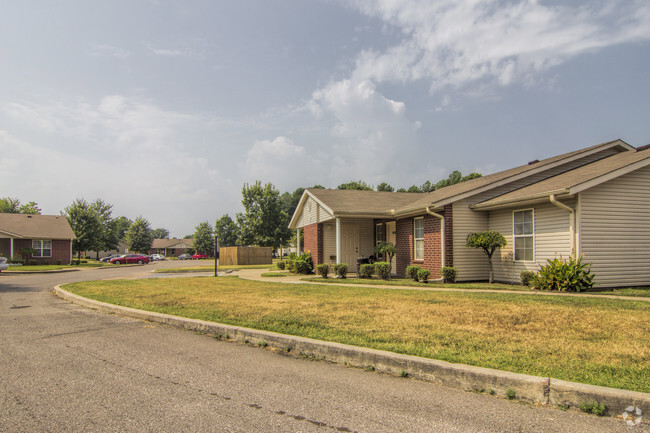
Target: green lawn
(54, 267)
(591, 340)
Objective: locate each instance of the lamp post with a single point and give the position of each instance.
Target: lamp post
(216, 253)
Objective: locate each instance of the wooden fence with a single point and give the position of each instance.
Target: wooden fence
(245, 256)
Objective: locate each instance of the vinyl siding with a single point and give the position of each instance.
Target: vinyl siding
(615, 230)
(312, 213)
(366, 239)
(471, 263)
(552, 239)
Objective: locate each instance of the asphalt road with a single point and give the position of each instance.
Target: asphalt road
(64, 368)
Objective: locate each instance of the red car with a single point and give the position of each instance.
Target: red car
(130, 258)
(199, 256)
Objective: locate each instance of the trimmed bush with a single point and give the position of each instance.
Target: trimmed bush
(412, 272)
(341, 269)
(564, 275)
(449, 274)
(323, 269)
(33, 262)
(382, 269)
(281, 265)
(423, 275)
(527, 278)
(366, 270)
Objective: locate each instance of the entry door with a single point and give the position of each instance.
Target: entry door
(391, 236)
(350, 245)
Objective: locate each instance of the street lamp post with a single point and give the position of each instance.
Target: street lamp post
(216, 253)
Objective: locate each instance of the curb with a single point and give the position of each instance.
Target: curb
(534, 389)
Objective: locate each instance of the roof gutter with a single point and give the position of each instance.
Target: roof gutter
(442, 237)
(517, 200)
(572, 221)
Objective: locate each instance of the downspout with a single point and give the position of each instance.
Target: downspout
(572, 219)
(442, 237)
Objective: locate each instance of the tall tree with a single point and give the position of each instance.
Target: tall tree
(85, 224)
(160, 233)
(12, 205)
(139, 236)
(385, 187)
(122, 225)
(204, 238)
(356, 185)
(263, 222)
(30, 208)
(226, 231)
(106, 238)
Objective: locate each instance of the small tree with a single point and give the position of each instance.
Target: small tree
(139, 236)
(204, 238)
(387, 250)
(489, 241)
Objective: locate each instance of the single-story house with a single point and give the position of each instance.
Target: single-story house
(122, 248)
(593, 202)
(49, 235)
(171, 247)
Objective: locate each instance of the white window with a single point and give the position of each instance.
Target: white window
(379, 233)
(418, 238)
(42, 248)
(524, 230)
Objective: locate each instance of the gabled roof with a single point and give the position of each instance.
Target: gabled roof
(172, 243)
(35, 226)
(574, 181)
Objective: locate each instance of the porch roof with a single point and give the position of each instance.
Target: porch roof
(35, 226)
(352, 202)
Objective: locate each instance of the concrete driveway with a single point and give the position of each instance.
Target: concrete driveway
(64, 368)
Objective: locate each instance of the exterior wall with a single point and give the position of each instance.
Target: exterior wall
(471, 263)
(60, 250)
(366, 239)
(313, 242)
(432, 248)
(552, 239)
(614, 228)
(312, 213)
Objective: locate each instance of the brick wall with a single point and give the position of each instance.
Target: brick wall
(313, 242)
(432, 253)
(60, 251)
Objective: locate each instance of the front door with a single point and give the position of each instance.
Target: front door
(391, 236)
(350, 245)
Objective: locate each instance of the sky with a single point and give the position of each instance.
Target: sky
(166, 108)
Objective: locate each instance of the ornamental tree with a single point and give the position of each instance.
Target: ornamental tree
(489, 241)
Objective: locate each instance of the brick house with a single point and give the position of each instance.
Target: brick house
(49, 235)
(171, 247)
(593, 202)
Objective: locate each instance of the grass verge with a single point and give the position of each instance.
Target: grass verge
(27, 268)
(590, 340)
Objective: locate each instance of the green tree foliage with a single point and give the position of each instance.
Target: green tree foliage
(85, 224)
(121, 226)
(12, 205)
(356, 185)
(454, 178)
(264, 222)
(204, 238)
(488, 241)
(386, 250)
(226, 231)
(160, 233)
(385, 187)
(107, 235)
(139, 236)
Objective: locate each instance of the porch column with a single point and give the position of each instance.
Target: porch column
(338, 241)
(297, 241)
(11, 248)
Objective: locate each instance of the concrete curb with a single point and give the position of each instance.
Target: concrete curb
(534, 389)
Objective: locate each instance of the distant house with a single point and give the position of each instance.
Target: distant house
(49, 235)
(171, 247)
(593, 202)
(122, 248)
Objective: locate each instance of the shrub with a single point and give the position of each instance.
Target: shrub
(16, 259)
(593, 407)
(423, 275)
(57, 261)
(564, 275)
(289, 265)
(303, 264)
(33, 262)
(527, 278)
(510, 394)
(323, 269)
(281, 265)
(449, 274)
(366, 270)
(412, 272)
(341, 269)
(382, 269)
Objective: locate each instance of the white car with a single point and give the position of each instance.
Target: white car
(157, 257)
(3, 264)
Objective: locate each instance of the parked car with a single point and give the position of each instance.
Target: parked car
(156, 257)
(3, 264)
(199, 256)
(130, 258)
(108, 258)
(184, 257)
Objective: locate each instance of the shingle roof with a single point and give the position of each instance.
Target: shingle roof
(569, 180)
(36, 226)
(172, 243)
(362, 202)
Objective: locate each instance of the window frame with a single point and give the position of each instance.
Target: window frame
(380, 233)
(417, 240)
(530, 235)
(38, 245)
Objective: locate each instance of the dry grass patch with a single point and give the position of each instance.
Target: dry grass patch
(599, 341)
